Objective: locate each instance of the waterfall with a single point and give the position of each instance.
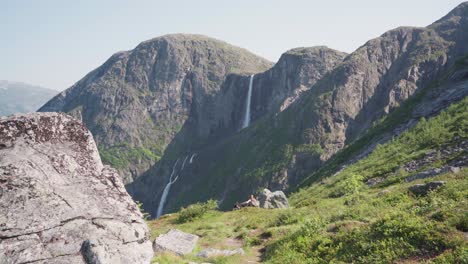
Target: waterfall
(247, 107)
(191, 158)
(166, 190)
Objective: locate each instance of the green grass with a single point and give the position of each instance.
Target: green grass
(343, 220)
(121, 155)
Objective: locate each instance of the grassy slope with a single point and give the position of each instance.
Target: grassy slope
(342, 220)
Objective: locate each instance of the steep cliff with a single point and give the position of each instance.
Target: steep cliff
(272, 92)
(137, 101)
(58, 203)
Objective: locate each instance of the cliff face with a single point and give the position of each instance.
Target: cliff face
(137, 101)
(58, 203)
(272, 92)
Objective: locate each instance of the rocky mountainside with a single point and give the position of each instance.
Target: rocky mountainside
(58, 203)
(282, 148)
(18, 97)
(174, 108)
(138, 100)
(273, 91)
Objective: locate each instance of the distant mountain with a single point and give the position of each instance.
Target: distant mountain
(17, 97)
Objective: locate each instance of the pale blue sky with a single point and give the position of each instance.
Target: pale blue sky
(54, 43)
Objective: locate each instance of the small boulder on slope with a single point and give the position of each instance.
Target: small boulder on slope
(424, 189)
(271, 200)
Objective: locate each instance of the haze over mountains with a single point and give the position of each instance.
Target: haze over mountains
(17, 97)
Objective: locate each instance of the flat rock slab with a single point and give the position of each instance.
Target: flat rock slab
(175, 241)
(212, 252)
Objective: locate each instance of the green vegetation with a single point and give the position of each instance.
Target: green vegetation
(343, 220)
(195, 211)
(121, 155)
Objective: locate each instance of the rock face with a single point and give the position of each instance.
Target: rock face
(58, 203)
(175, 241)
(424, 189)
(138, 100)
(271, 200)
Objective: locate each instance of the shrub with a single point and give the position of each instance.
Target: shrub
(195, 211)
(145, 214)
(351, 184)
(286, 218)
(390, 238)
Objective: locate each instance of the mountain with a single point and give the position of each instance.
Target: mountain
(176, 107)
(138, 100)
(283, 147)
(16, 97)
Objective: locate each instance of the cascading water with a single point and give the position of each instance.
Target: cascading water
(166, 190)
(247, 108)
(191, 158)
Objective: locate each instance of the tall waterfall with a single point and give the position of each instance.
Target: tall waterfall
(166, 190)
(247, 107)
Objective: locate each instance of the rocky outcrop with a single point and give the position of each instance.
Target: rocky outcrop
(175, 241)
(271, 200)
(425, 188)
(432, 173)
(58, 203)
(138, 100)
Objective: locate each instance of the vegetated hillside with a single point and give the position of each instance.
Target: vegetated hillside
(281, 149)
(16, 97)
(363, 214)
(138, 100)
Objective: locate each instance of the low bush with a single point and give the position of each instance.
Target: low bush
(195, 211)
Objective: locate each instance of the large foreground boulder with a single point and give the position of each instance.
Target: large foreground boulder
(271, 200)
(58, 203)
(175, 241)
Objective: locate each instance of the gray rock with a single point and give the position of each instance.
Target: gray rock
(59, 203)
(424, 189)
(270, 200)
(453, 169)
(175, 241)
(212, 252)
(432, 173)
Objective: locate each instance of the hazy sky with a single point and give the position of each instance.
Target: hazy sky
(54, 43)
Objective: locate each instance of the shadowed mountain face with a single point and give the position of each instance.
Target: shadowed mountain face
(183, 97)
(137, 101)
(16, 97)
